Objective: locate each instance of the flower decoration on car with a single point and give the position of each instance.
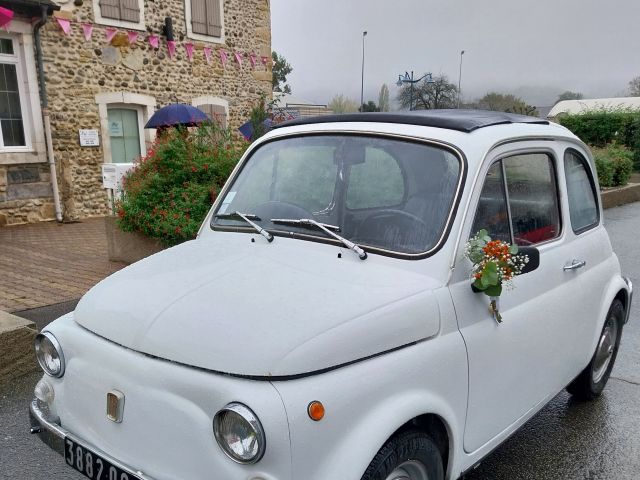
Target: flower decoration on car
(495, 263)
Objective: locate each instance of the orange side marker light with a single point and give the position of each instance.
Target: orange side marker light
(315, 410)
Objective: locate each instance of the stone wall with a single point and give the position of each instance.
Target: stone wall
(77, 70)
(25, 194)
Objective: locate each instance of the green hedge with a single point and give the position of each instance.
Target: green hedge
(614, 165)
(601, 128)
(171, 189)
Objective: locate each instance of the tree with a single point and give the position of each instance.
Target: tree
(569, 95)
(505, 103)
(383, 98)
(370, 106)
(342, 104)
(281, 69)
(634, 87)
(439, 93)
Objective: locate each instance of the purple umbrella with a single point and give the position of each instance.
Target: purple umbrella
(176, 114)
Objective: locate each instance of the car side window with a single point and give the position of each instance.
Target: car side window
(533, 198)
(492, 212)
(581, 192)
(527, 184)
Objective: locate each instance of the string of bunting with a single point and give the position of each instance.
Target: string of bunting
(154, 40)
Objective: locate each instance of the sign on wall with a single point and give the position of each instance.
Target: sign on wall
(115, 128)
(89, 138)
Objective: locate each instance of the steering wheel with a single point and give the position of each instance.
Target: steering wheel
(277, 209)
(390, 227)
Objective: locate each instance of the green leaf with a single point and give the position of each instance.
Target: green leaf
(478, 284)
(489, 274)
(493, 291)
(513, 249)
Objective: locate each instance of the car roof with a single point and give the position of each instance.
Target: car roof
(460, 120)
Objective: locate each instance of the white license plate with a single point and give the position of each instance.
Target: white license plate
(93, 465)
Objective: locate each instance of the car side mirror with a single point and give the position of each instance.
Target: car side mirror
(534, 258)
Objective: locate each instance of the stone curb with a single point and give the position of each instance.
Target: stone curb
(16, 346)
(621, 196)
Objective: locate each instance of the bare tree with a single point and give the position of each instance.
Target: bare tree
(569, 95)
(634, 87)
(439, 93)
(341, 104)
(383, 98)
(502, 102)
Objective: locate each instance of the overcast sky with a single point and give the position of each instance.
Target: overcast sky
(534, 48)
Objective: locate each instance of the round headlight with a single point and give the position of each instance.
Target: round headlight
(49, 354)
(239, 433)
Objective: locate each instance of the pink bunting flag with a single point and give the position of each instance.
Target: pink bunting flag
(132, 37)
(189, 49)
(253, 58)
(6, 16)
(223, 58)
(154, 41)
(65, 25)
(87, 31)
(238, 57)
(109, 33)
(207, 54)
(264, 60)
(171, 48)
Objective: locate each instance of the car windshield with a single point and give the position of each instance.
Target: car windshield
(382, 193)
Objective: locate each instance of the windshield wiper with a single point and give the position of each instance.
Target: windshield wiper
(247, 218)
(329, 229)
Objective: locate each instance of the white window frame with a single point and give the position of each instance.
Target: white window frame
(112, 22)
(17, 60)
(211, 100)
(143, 104)
(200, 36)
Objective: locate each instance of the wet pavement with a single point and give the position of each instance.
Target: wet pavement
(567, 440)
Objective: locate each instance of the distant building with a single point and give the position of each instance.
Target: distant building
(574, 107)
(287, 105)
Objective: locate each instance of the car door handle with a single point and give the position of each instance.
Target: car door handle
(575, 264)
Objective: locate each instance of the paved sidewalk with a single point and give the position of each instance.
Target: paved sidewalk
(47, 263)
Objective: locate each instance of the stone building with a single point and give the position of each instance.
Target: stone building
(101, 82)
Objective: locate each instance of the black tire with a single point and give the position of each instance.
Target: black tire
(409, 445)
(584, 387)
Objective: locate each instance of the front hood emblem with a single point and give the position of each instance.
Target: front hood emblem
(115, 406)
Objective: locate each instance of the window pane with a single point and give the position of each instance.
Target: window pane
(533, 198)
(583, 208)
(124, 135)
(375, 183)
(6, 46)
(10, 110)
(492, 207)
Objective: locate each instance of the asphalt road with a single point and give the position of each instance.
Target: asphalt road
(566, 441)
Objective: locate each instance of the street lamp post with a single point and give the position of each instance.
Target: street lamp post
(364, 34)
(406, 78)
(460, 78)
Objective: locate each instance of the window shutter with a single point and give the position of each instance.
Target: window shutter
(129, 11)
(199, 17)
(110, 9)
(214, 18)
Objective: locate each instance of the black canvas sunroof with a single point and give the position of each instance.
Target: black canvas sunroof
(461, 120)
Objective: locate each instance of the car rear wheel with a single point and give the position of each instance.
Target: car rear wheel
(590, 383)
(410, 455)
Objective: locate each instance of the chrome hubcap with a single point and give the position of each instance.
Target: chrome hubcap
(604, 352)
(409, 470)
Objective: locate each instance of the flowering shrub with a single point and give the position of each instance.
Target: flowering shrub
(171, 189)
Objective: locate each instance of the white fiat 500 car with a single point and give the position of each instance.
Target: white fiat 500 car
(323, 326)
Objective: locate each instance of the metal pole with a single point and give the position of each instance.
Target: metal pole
(460, 78)
(411, 92)
(364, 34)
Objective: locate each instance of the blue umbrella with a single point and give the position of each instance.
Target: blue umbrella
(176, 114)
(246, 129)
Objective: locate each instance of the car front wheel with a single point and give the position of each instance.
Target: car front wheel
(590, 383)
(410, 455)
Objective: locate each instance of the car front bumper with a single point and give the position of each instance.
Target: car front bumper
(627, 280)
(48, 428)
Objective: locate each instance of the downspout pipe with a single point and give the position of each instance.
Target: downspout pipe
(44, 101)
